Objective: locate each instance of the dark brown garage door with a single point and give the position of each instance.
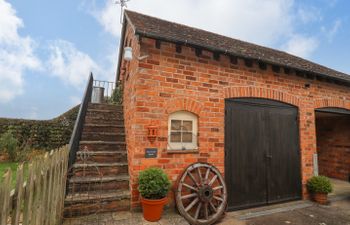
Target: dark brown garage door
(262, 157)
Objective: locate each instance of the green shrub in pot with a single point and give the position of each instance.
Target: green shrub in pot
(153, 183)
(319, 184)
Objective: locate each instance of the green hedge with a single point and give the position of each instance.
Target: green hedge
(42, 134)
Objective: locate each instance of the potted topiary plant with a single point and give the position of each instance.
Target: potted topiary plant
(319, 186)
(154, 185)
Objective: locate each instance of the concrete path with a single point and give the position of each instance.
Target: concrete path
(293, 213)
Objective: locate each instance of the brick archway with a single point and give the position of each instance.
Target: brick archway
(186, 104)
(331, 102)
(259, 92)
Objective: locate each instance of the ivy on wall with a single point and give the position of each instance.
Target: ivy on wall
(42, 134)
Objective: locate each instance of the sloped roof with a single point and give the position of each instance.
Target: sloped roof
(173, 32)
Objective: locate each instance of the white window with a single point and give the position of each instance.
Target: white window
(182, 131)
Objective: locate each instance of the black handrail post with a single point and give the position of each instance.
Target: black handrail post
(79, 123)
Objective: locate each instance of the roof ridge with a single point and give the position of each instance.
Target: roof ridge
(208, 31)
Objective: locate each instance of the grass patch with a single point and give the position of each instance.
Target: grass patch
(13, 166)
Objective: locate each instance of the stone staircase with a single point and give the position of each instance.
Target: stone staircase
(99, 181)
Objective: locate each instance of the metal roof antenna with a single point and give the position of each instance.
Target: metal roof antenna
(123, 5)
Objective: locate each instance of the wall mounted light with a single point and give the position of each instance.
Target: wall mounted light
(127, 53)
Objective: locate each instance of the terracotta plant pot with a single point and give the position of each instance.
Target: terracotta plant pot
(153, 208)
(320, 198)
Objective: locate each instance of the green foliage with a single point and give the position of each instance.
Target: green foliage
(153, 183)
(23, 152)
(117, 96)
(41, 134)
(319, 184)
(9, 144)
(12, 166)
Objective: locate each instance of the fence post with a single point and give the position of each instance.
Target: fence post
(17, 199)
(39, 200)
(6, 190)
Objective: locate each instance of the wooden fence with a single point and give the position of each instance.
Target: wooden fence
(39, 199)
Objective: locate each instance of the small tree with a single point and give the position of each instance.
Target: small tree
(9, 144)
(117, 95)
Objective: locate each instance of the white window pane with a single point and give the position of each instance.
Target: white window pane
(175, 137)
(187, 125)
(187, 137)
(176, 125)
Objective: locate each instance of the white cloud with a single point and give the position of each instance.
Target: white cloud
(301, 46)
(69, 64)
(269, 22)
(308, 14)
(241, 19)
(330, 33)
(16, 54)
(109, 18)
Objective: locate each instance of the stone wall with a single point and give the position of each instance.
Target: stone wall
(42, 134)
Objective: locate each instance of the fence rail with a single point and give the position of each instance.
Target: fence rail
(39, 199)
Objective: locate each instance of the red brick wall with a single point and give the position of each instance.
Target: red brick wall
(333, 146)
(167, 81)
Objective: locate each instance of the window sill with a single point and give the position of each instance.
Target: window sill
(193, 151)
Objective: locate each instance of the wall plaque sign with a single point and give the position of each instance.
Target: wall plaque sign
(151, 152)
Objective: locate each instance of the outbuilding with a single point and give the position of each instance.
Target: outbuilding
(266, 119)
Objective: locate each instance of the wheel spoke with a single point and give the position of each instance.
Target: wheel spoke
(213, 179)
(206, 211)
(189, 196)
(217, 188)
(199, 175)
(190, 187)
(213, 207)
(197, 210)
(207, 173)
(218, 198)
(190, 206)
(192, 178)
(201, 194)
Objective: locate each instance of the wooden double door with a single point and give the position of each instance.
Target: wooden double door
(262, 155)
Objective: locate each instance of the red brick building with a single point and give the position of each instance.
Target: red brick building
(258, 114)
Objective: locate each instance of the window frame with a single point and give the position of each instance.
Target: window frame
(181, 146)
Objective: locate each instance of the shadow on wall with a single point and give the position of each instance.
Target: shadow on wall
(42, 134)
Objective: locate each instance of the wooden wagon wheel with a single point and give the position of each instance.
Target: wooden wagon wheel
(201, 194)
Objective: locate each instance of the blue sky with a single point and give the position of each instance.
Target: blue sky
(48, 48)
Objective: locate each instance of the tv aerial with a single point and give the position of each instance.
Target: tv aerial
(123, 5)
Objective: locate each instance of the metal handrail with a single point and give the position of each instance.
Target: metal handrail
(78, 126)
(108, 87)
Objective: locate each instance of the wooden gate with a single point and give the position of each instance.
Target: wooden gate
(262, 156)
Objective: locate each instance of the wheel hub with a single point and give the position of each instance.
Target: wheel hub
(205, 193)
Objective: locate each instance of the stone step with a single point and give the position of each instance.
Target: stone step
(103, 128)
(81, 204)
(108, 120)
(100, 169)
(104, 106)
(98, 183)
(102, 136)
(105, 113)
(96, 146)
(101, 156)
